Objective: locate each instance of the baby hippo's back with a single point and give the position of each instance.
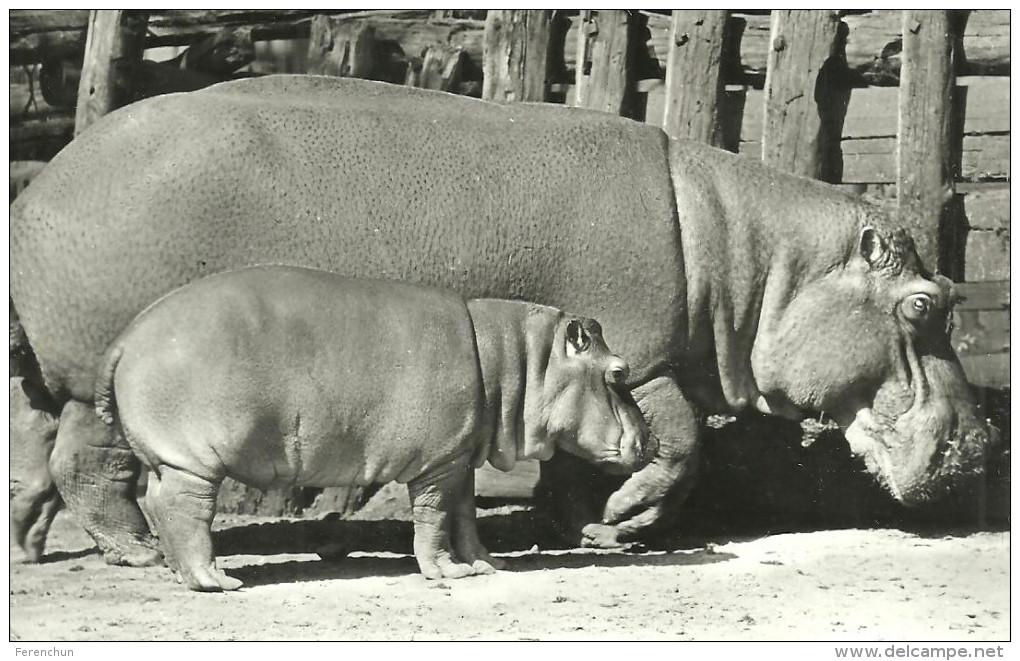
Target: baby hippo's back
(278, 375)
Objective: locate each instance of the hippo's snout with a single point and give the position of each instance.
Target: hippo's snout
(918, 458)
(637, 446)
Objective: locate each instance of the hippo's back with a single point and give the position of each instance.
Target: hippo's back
(558, 206)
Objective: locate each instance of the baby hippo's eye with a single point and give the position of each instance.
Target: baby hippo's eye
(916, 307)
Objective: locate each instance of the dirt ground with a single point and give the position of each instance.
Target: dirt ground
(851, 584)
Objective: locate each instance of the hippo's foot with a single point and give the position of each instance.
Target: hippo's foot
(445, 540)
(182, 506)
(142, 553)
(466, 544)
(468, 548)
(443, 565)
(31, 517)
(208, 579)
(97, 476)
(650, 498)
(34, 497)
(601, 536)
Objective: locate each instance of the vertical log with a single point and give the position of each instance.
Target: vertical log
(340, 48)
(806, 94)
(515, 59)
(440, 69)
(604, 61)
(694, 82)
(113, 51)
(930, 135)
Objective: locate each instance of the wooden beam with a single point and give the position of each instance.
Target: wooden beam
(873, 47)
(341, 48)
(986, 295)
(113, 51)
(440, 69)
(515, 60)
(694, 81)
(806, 94)
(603, 76)
(929, 158)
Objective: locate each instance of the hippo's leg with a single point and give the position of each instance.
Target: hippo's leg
(96, 474)
(432, 506)
(34, 497)
(466, 543)
(653, 495)
(182, 506)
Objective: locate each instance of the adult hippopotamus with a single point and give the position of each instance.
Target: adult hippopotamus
(277, 376)
(728, 285)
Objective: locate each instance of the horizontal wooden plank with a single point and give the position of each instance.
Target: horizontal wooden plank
(874, 112)
(988, 208)
(873, 160)
(987, 295)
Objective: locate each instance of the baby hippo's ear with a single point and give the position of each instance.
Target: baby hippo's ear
(578, 340)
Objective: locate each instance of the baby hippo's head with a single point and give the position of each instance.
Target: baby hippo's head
(585, 407)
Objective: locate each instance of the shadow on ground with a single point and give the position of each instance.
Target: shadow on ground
(509, 532)
(760, 476)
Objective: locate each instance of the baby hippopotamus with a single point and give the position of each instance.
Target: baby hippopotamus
(278, 376)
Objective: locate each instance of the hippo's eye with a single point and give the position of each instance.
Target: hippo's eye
(917, 307)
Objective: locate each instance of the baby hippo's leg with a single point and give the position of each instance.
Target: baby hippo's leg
(432, 503)
(182, 506)
(466, 543)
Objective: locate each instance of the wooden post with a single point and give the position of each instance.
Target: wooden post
(806, 94)
(604, 61)
(340, 48)
(694, 81)
(515, 60)
(440, 69)
(930, 133)
(113, 51)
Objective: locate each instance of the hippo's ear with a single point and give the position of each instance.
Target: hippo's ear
(872, 246)
(578, 340)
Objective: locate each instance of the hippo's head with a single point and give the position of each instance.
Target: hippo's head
(577, 400)
(885, 372)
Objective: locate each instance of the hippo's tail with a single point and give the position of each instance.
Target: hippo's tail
(106, 402)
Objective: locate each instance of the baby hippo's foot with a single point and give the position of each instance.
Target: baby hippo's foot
(473, 553)
(443, 565)
(209, 579)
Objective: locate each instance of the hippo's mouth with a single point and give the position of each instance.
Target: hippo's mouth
(634, 447)
(872, 438)
(920, 453)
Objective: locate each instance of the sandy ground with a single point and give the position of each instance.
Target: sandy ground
(849, 584)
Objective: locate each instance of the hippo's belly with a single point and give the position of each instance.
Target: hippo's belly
(548, 204)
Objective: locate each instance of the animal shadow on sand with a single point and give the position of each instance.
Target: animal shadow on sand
(505, 533)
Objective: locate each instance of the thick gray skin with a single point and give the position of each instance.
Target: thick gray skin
(708, 271)
(276, 376)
